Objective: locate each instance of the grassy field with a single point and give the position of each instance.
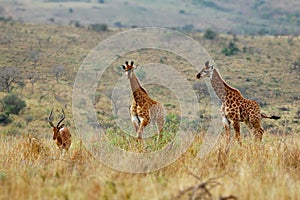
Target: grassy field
(266, 68)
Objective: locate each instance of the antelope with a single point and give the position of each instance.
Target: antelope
(61, 134)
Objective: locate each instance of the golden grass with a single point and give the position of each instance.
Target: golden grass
(268, 170)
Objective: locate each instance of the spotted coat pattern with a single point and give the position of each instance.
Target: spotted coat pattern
(235, 108)
(143, 109)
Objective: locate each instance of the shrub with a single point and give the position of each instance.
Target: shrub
(98, 27)
(118, 24)
(172, 122)
(188, 28)
(4, 119)
(210, 34)
(231, 49)
(12, 104)
(181, 11)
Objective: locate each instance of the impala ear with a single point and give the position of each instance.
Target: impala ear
(123, 66)
(131, 64)
(126, 62)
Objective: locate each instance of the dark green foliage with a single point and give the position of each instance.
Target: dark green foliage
(210, 34)
(118, 24)
(181, 11)
(4, 119)
(6, 19)
(188, 28)
(231, 49)
(12, 104)
(98, 27)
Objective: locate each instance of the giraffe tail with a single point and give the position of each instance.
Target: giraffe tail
(270, 117)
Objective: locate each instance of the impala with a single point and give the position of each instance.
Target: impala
(61, 134)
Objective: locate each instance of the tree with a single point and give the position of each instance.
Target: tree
(10, 76)
(12, 104)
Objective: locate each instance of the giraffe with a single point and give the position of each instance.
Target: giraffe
(235, 108)
(143, 109)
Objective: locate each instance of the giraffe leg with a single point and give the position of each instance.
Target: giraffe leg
(134, 117)
(226, 125)
(160, 125)
(258, 130)
(143, 124)
(236, 126)
(160, 119)
(157, 115)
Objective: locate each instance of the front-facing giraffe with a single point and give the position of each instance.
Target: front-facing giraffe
(235, 108)
(143, 108)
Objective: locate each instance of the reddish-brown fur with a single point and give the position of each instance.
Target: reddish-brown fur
(61, 134)
(62, 137)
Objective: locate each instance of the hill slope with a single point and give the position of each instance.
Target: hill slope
(239, 17)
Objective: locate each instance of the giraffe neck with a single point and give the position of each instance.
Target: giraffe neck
(136, 88)
(221, 88)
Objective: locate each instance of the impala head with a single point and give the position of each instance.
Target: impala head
(58, 126)
(207, 71)
(128, 68)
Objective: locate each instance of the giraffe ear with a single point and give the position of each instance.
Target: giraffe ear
(207, 64)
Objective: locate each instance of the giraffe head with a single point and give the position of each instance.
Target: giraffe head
(128, 68)
(207, 71)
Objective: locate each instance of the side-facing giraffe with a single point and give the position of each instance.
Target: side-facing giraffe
(143, 109)
(235, 108)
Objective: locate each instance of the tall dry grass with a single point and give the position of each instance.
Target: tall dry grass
(268, 170)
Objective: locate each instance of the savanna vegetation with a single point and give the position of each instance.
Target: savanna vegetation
(46, 59)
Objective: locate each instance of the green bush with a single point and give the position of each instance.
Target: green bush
(98, 27)
(12, 104)
(172, 122)
(4, 119)
(231, 49)
(210, 34)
